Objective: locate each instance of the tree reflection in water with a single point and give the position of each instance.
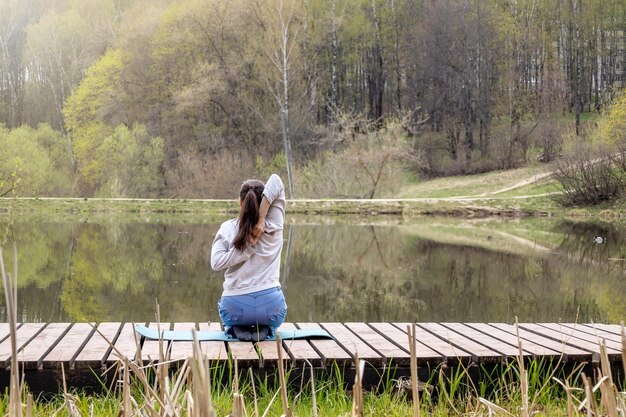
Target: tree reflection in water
(115, 270)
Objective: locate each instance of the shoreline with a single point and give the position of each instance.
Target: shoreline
(404, 207)
(542, 206)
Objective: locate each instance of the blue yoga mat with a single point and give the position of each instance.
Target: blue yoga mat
(186, 335)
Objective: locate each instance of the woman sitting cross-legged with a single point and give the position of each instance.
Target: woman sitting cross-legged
(252, 305)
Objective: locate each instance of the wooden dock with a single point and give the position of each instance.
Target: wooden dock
(84, 349)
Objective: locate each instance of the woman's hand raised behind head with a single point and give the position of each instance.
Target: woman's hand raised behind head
(259, 227)
(257, 232)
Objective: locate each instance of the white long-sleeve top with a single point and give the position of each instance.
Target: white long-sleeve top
(254, 268)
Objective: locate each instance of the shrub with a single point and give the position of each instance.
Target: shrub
(198, 175)
(593, 170)
(367, 162)
(590, 176)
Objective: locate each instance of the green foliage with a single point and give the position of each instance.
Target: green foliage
(132, 161)
(611, 129)
(38, 157)
(86, 111)
(208, 77)
(275, 165)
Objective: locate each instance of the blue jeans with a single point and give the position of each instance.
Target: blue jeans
(266, 307)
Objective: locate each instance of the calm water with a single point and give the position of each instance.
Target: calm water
(333, 270)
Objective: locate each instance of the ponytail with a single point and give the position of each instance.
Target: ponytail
(250, 195)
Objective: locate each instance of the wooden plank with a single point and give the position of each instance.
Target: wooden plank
(268, 352)
(528, 347)
(30, 356)
(503, 348)
(423, 353)
(569, 352)
(125, 344)
(214, 350)
(613, 347)
(68, 347)
(23, 335)
(352, 343)
(300, 351)
(329, 350)
(151, 349)
(245, 353)
(609, 328)
(97, 348)
(392, 353)
(5, 331)
(590, 329)
(480, 353)
(444, 348)
(564, 338)
(182, 350)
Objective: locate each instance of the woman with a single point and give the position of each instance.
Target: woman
(248, 247)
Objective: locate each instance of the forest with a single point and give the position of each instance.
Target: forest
(345, 98)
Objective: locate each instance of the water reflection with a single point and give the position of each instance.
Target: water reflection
(427, 269)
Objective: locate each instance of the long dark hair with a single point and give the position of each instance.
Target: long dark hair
(250, 195)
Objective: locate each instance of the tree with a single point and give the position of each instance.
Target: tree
(133, 162)
(24, 159)
(86, 114)
(281, 29)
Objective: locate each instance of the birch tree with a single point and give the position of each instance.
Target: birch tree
(281, 29)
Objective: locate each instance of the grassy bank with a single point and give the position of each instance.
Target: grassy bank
(405, 207)
(521, 192)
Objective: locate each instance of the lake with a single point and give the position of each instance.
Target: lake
(116, 268)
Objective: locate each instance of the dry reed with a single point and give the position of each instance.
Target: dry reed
(411, 330)
(9, 283)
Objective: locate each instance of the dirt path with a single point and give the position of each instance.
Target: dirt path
(523, 183)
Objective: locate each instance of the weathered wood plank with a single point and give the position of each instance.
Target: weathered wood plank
(152, 349)
(30, 356)
(125, 344)
(79, 346)
(528, 347)
(245, 353)
(23, 336)
(564, 338)
(182, 350)
(479, 352)
(68, 347)
(612, 346)
(503, 348)
(401, 338)
(300, 351)
(590, 329)
(329, 350)
(268, 352)
(443, 347)
(213, 350)
(352, 343)
(5, 331)
(610, 328)
(391, 353)
(569, 352)
(97, 348)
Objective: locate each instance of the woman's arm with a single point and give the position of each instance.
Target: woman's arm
(224, 255)
(275, 193)
(272, 209)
